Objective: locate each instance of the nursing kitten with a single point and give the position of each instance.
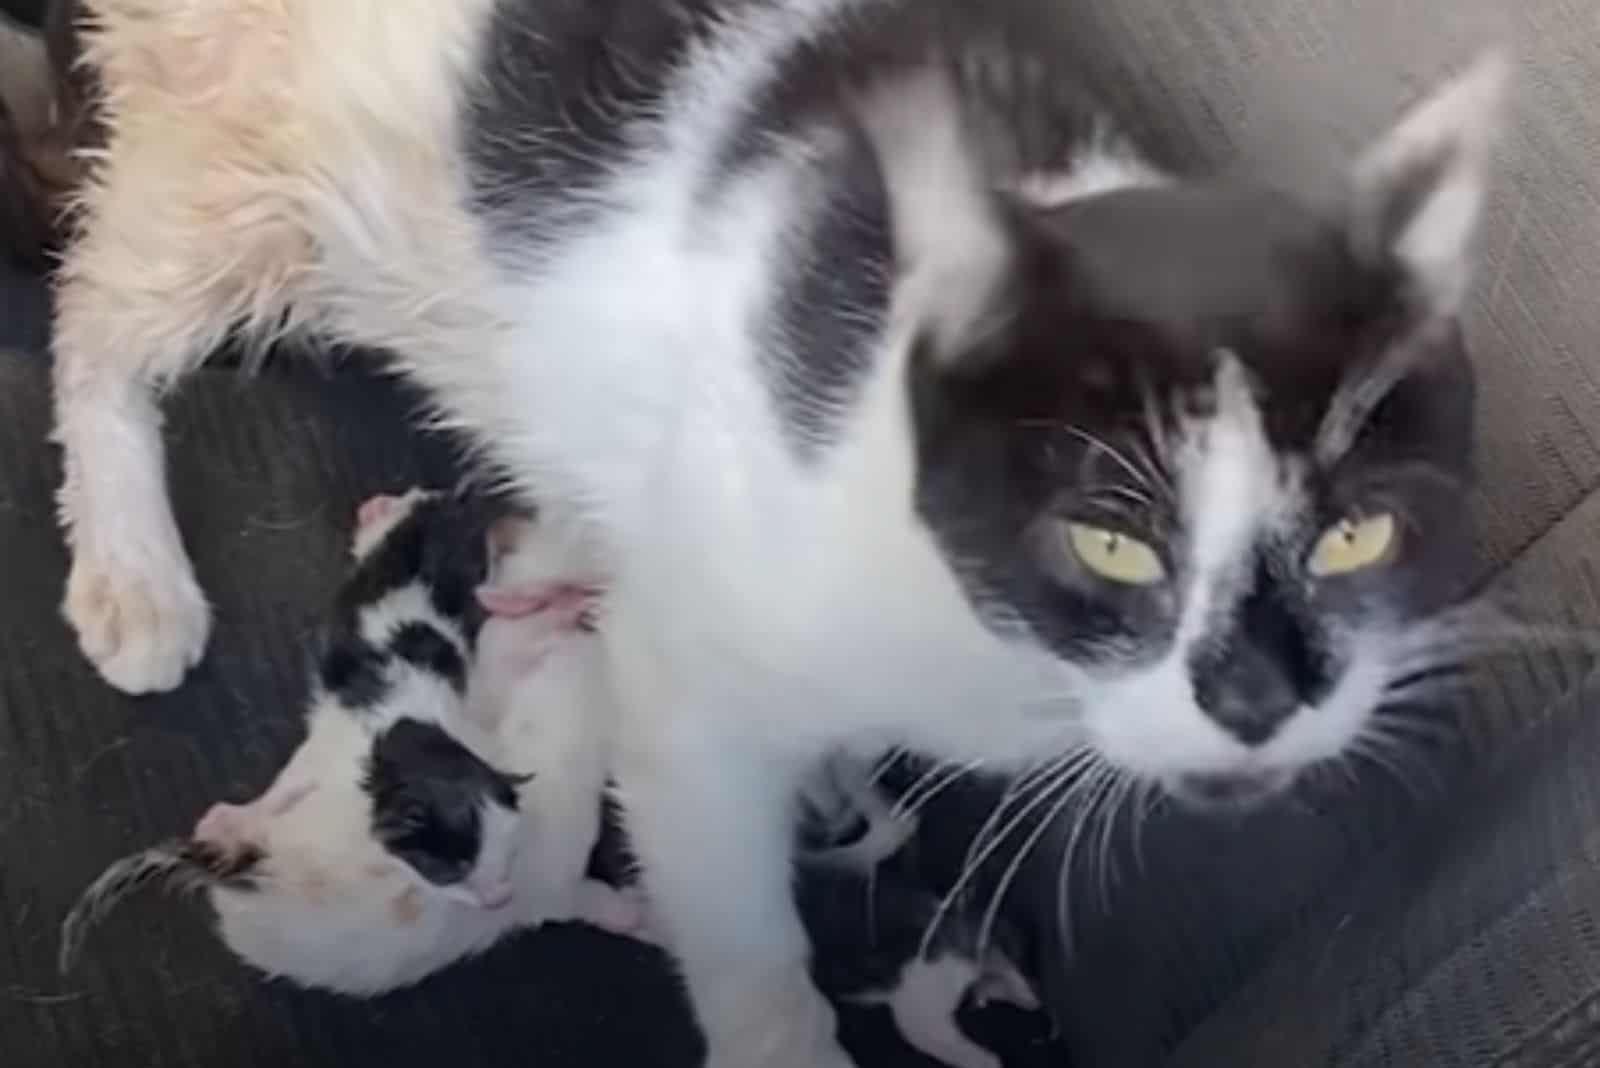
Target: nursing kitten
(871, 945)
(903, 400)
(394, 841)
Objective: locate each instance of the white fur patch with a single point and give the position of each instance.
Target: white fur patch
(1097, 170)
(1454, 130)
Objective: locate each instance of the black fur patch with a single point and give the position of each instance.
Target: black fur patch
(442, 544)
(352, 672)
(1263, 662)
(834, 288)
(423, 646)
(428, 791)
(566, 90)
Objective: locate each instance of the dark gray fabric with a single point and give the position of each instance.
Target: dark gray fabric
(1475, 943)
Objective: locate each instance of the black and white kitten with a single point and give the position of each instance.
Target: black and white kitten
(903, 401)
(879, 939)
(395, 840)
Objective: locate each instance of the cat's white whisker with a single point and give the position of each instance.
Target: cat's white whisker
(974, 863)
(1104, 778)
(1020, 856)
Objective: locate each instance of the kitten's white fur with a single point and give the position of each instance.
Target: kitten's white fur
(758, 613)
(330, 908)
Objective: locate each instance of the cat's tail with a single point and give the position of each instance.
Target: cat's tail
(180, 865)
(41, 116)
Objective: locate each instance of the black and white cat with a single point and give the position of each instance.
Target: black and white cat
(902, 401)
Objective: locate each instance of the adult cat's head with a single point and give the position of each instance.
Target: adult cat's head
(1206, 443)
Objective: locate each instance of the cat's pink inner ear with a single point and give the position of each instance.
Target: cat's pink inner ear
(376, 509)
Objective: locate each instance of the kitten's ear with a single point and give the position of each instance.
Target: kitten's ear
(1417, 194)
(954, 253)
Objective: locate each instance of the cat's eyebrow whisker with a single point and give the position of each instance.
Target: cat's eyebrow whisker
(1148, 478)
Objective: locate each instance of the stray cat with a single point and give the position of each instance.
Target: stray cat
(392, 842)
(904, 401)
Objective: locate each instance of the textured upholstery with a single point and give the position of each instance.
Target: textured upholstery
(1365, 929)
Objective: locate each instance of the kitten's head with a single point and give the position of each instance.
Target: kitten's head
(342, 874)
(442, 810)
(426, 538)
(1205, 444)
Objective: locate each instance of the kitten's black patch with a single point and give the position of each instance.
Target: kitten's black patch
(428, 792)
(423, 646)
(566, 90)
(352, 672)
(442, 544)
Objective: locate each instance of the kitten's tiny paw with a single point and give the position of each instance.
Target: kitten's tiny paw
(142, 631)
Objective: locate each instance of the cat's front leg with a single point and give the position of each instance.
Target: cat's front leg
(160, 270)
(712, 830)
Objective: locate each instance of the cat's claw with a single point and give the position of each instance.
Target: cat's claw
(142, 631)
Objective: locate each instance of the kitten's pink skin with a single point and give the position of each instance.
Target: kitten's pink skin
(232, 827)
(376, 509)
(566, 602)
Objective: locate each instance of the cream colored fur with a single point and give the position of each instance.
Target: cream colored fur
(239, 133)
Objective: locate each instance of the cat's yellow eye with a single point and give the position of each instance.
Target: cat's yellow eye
(1353, 544)
(1115, 556)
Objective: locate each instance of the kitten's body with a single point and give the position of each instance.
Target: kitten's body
(448, 790)
(832, 323)
(879, 940)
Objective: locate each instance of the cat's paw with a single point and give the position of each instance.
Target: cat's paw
(142, 630)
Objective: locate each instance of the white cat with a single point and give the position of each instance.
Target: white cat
(902, 402)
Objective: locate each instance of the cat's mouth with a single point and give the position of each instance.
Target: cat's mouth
(1230, 791)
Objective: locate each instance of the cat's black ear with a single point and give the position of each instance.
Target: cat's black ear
(1417, 195)
(955, 257)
